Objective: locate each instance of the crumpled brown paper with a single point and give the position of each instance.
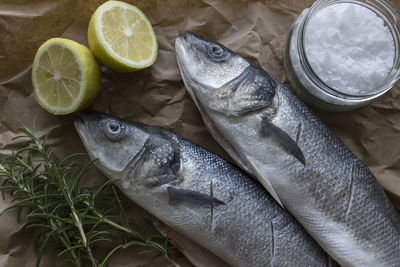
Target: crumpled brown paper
(255, 29)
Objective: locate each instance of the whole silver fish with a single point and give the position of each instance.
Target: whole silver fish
(271, 134)
(198, 194)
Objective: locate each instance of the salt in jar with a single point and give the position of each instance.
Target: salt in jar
(342, 55)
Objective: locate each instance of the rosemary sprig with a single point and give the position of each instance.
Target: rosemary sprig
(67, 215)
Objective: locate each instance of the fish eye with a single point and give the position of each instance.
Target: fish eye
(216, 50)
(114, 130)
(114, 127)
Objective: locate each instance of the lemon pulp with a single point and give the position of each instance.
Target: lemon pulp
(65, 76)
(122, 37)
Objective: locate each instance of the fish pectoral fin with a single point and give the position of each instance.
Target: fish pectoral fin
(268, 129)
(190, 197)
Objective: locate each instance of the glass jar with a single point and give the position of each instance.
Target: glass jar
(312, 88)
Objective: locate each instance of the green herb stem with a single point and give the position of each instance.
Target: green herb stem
(29, 194)
(68, 216)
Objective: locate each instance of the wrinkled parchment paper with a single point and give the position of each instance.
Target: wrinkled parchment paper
(255, 29)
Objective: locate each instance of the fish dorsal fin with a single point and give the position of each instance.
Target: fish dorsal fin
(189, 197)
(268, 129)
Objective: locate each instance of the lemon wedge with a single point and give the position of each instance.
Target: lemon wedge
(65, 76)
(121, 37)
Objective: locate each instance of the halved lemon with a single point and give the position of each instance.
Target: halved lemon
(65, 76)
(121, 37)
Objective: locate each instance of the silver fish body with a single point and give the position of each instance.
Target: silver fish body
(271, 134)
(198, 194)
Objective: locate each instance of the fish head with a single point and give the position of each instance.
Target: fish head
(113, 142)
(220, 79)
(142, 160)
(235, 98)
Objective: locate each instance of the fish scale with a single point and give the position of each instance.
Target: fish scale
(245, 226)
(369, 207)
(256, 216)
(317, 179)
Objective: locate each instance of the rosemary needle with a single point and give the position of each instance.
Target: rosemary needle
(66, 215)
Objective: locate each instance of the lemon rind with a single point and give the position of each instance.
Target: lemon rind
(75, 104)
(132, 64)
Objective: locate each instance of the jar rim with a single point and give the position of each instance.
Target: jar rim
(375, 6)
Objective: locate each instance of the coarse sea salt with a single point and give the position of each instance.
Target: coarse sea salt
(349, 48)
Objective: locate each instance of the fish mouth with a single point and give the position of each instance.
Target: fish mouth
(181, 48)
(186, 37)
(190, 56)
(185, 53)
(80, 123)
(186, 48)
